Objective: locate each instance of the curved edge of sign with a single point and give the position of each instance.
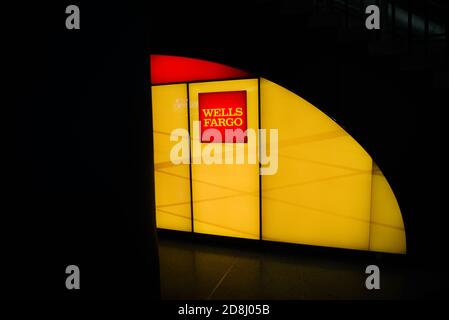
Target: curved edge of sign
(327, 186)
(327, 190)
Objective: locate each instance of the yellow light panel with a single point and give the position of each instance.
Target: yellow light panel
(387, 228)
(327, 190)
(172, 182)
(226, 196)
(321, 193)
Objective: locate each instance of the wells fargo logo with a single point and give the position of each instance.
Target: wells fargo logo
(223, 120)
(222, 112)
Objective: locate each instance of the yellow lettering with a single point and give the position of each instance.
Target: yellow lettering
(213, 123)
(208, 112)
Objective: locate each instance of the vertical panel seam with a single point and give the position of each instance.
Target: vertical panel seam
(190, 157)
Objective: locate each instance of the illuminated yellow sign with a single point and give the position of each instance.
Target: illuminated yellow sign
(325, 190)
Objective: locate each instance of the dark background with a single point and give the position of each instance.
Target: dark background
(79, 184)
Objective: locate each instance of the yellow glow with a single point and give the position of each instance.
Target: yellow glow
(172, 182)
(226, 196)
(327, 190)
(321, 193)
(387, 228)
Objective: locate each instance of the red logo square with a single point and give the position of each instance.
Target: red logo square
(226, 113)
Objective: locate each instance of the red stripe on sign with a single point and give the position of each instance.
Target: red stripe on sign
(172, 69)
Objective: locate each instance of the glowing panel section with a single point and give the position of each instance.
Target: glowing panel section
(387, 228)
(327, 190)
(170, 69)
(172, 182)
(321, 194)
(225, 196)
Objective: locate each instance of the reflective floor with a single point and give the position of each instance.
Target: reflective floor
(193, 269)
